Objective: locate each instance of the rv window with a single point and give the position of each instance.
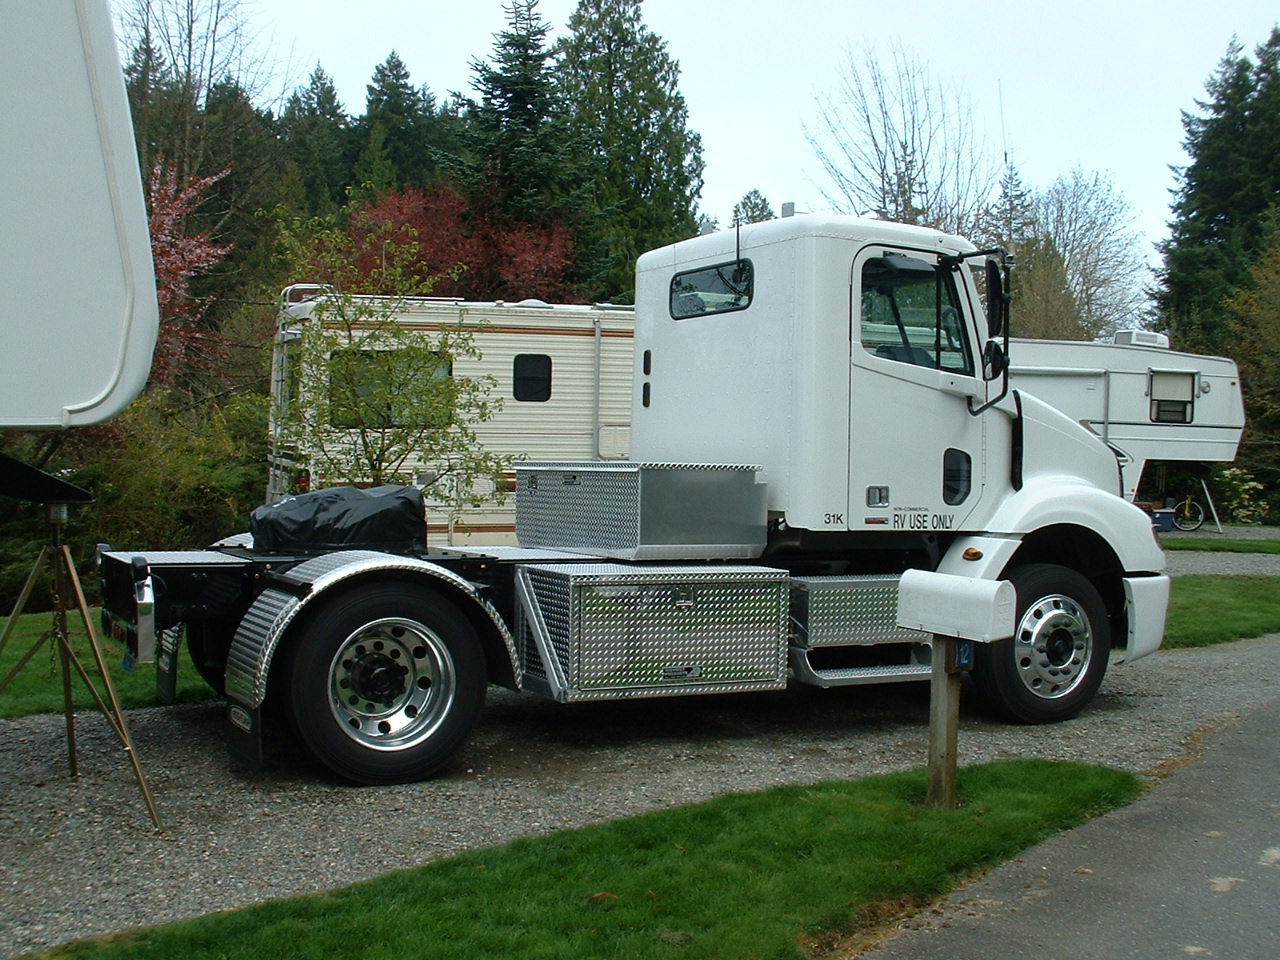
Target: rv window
(913, 315)
(531, 377)
(1172, 396)
(719, 289)
(369, 388)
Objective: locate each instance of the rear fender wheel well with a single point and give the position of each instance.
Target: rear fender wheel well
(498, 666)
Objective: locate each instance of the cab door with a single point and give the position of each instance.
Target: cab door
(916, 453)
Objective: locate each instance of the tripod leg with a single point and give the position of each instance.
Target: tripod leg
(116, 715)
(26, 658)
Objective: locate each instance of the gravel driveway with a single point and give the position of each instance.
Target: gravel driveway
(80, 857)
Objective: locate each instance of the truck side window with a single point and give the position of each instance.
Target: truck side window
(531, 377)
(719, 289)
(911, 314)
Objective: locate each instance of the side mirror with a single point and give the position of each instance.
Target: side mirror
(997, 299)
(994, 361)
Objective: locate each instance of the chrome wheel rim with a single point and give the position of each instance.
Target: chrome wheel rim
(1053, 646)
(391, 684)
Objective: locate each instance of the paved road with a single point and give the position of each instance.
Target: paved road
(1192, 869)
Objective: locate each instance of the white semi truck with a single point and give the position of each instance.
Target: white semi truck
(819, 404)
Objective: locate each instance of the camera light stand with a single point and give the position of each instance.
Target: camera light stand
(64, 583)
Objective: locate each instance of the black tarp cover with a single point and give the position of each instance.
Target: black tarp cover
(391, 518)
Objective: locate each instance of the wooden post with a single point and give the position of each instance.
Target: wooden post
(944, 723)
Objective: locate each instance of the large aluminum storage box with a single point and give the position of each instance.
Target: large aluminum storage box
(607, 631)
(642, 511)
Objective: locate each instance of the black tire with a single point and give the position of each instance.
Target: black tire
(384, 683)
(1054, 663)
(1188, 516)
(208, 648)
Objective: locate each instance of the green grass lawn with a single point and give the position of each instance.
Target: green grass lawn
(38, 688)
(790, 872)
(1204, 610)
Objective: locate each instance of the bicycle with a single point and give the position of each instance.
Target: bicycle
(1188, 514)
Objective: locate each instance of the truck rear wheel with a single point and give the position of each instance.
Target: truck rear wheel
(384, 683)
(1054, 663)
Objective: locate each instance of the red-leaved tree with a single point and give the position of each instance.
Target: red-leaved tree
(466, 254)
(186, 347)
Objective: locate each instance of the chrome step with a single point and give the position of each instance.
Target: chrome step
(849, 676)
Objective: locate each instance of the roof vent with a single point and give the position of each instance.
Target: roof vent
(1142, 338)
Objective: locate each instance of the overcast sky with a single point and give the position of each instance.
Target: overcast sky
(1094, 83)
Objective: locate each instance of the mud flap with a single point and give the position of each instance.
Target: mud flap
(168, 643)
(244, 734)
(1146, 602)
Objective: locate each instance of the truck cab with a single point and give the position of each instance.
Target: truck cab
(847, 358)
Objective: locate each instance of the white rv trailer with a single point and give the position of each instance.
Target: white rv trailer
(1147, 402)
(583, 411)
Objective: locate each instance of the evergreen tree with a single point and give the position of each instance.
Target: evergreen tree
(241, 140)
(1042, 304)
(519, 145)
(1222, 195)
(1011, 221)
(145, 77)
(752, 208)
(400, 111)
(1253, 325)
(620, 88)
(375, 174)
(315, 130)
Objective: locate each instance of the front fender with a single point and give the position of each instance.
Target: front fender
(258, 636)
(1060, 501)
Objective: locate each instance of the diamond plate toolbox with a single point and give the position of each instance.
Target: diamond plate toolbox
(843, 611)
(642, 511)
(601, 631)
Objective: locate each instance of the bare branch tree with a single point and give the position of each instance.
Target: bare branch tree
(192, 47)
(894, 141)
(1089, 222)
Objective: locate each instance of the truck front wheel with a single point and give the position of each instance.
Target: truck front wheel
(1054, 663)
(384, 683)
